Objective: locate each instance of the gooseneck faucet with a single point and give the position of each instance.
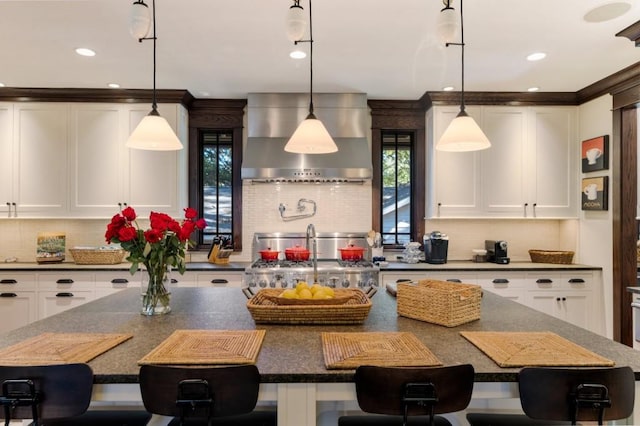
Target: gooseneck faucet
(311, 233)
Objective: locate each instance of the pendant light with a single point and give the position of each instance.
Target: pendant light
(311, 137)
(463, 133)
(153, 132)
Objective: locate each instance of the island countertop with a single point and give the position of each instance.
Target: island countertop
(293, 353)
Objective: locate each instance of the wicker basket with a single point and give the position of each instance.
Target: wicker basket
(551, 256)
(439, 302)
(264, 310)
(97, 256)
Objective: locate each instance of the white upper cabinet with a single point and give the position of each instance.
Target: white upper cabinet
(455, 177)
(109, 176)
(529, 171)
(40, 174)
(6, 159)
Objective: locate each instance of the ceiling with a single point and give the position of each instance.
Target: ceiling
(387, 49)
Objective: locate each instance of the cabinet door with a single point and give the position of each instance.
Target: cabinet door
(41, 165)
(456, 175)
(553, 160)
(18, 309)
(97, 155)
(154, 181)
(504, 168)
(6, 158)
(510, 285)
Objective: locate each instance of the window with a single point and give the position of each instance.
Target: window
(215, 157)
(398, 156)
(216, 154)
(397, 199)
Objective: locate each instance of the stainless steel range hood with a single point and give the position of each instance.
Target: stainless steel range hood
(272, 119)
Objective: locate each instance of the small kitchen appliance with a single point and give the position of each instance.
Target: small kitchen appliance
(436, 246)
(496, 251)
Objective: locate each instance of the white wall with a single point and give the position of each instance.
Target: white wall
(596, 229)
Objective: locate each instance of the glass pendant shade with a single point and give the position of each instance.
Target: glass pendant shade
(448, 25)
(154, 133)
(311, 137)
(140, 22)
(296, 23)
(463, 134)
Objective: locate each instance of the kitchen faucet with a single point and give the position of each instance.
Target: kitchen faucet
(311, 233)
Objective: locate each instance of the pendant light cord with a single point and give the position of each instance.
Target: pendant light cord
(462, 62)
(310, 61)
(154, 105)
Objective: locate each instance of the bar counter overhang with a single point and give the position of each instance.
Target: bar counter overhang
(291, 360)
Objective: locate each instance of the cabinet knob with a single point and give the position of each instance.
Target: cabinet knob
(8, 281)
(454, 280)
(64, 281)
(500, 281)
(64, 295)
(8, 295)
(119, 281)
(534, 209)
(525, 209)
(576, 281)
(219, 281)
(544, 281)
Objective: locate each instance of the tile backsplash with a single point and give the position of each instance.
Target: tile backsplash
(340, 208)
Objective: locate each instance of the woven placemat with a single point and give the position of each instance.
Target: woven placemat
(386, 349)
(202, 347)
(531, 349)
(60, 348)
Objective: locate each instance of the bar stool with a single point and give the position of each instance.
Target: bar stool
(198, 395)
(410, 395)
(57, 395)
(553, 396)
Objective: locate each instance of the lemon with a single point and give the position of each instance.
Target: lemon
(289, 294)
(315, 287)
(305, 293)
(329, 291)
(302, 285)
(320, 294)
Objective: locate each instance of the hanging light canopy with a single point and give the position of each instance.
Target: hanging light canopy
(311, 137)
(463, 133)
(153, 132)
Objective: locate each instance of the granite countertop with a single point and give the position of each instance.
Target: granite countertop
(293, 353)
(459, 265)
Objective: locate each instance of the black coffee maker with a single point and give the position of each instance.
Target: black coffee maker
(436, 246)
(496, 251)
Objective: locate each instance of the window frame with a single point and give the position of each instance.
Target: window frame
(401, 116)
(226, 115)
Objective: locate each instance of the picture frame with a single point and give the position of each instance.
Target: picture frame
(595, 193)
(595, 154)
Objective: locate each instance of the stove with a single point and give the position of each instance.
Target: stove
(331, 271)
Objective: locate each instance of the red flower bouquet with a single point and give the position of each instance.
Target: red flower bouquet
(157, 248)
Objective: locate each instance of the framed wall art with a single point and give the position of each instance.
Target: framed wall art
(595, 193)
(595, 154)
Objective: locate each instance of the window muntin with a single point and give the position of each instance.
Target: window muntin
(397, 195)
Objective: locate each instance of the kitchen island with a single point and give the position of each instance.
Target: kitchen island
(291, 359)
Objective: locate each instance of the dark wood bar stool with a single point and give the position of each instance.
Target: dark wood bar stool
(57, 395)
(410, 395)
(556, 396)
(205, 395)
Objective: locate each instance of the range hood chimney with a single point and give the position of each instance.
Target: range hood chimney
(272, 119)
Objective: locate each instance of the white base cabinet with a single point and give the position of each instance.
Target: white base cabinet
(27, 297)
(574, 297)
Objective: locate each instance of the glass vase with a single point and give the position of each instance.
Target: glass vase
(156, 297)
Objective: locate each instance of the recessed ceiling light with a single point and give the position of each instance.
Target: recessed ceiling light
(607, 12)
(533, 89)
(536, 56)
(448, 88)
(83, 51)
(114, 85)
(298, 54)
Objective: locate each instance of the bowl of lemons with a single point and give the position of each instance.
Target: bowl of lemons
(314, 294)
